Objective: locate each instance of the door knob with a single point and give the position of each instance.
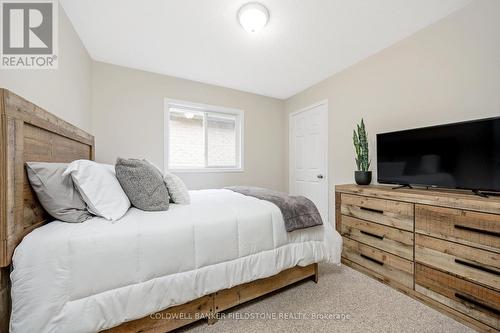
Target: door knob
(320, 176)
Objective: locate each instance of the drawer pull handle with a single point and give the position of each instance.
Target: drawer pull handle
(476, 266)
(371, 235)
(471, 300)
(378, 211)
(481, 231)
(373, 260)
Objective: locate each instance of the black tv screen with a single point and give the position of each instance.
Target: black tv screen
(459, 156)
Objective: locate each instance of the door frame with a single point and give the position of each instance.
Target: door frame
(326, 152)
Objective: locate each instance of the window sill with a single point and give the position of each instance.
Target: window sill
(207, 170)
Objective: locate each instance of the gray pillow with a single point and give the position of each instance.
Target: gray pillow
(177, 189)
(143, 184)
(56, 192)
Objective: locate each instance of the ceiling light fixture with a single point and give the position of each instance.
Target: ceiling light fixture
(253, 16)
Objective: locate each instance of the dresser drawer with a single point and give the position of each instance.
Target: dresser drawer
(471, 228)
(473, 264)
(388, 212)
(391, 267)
(392, 240)
(469, 298)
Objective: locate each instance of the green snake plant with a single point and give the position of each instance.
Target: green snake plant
(361, 145)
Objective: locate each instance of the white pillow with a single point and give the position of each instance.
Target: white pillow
(99, 188)
(178, 191)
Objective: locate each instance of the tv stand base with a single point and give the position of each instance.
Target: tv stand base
(402, 186)
(483, 194)
(480, 194)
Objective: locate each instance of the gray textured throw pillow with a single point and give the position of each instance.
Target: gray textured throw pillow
(56, 192)
(177, 189)
(143, 184)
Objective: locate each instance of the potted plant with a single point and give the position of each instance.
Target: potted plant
(362, 175)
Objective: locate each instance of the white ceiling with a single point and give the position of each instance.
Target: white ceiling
(305, 41)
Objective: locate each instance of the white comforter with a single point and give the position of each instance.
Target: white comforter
(95, 275)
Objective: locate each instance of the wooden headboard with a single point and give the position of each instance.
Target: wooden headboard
(29, 133)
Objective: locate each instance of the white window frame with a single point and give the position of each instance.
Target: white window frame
(174, 103)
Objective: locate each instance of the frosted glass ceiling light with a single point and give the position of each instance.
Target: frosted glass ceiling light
(253, 16)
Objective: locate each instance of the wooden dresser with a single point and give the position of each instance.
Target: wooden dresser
(440, 247)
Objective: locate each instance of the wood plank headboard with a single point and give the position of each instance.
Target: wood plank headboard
(27, 134)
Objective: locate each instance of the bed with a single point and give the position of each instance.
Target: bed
(148, 271)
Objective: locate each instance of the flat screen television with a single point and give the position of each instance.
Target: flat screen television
(463, 155)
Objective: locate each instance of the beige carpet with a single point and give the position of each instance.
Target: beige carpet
(349, 301)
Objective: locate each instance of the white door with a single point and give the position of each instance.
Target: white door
(309, 155)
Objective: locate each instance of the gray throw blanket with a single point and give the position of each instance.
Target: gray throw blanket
(298, 211)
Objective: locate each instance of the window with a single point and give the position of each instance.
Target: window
(203, 138)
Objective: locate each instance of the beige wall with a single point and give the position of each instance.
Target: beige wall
(448, 72)
(127, 121)
(65, 91)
